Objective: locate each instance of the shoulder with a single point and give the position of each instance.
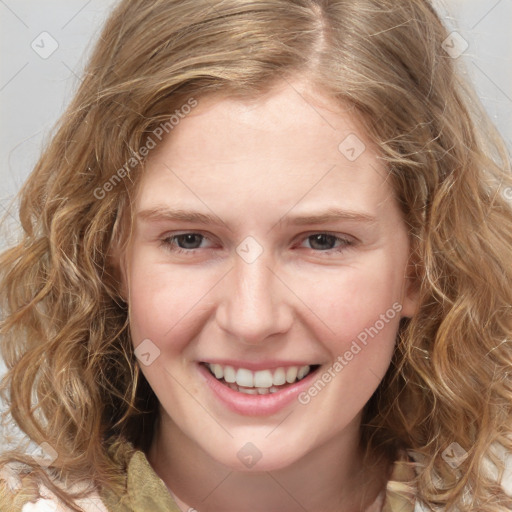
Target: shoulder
(20, 492)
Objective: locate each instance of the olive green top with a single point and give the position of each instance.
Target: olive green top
(144, 491)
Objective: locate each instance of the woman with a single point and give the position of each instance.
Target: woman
(265, 266)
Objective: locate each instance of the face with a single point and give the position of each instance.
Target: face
(267, 244)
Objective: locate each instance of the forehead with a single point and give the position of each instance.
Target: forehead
(293, 120)
(287, 144)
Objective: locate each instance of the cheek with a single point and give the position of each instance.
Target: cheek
(363, 317)
(166, 305)
(357, 298)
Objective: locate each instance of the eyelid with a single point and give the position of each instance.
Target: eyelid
(340, 236)
(173, 234)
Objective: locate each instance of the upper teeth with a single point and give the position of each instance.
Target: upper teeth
(259, 379)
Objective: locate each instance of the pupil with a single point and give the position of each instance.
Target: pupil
(322, 242)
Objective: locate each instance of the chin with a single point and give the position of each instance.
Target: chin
(256, 457)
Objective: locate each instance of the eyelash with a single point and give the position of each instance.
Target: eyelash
(169, 243)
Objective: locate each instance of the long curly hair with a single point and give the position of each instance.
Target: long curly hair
(73, 381)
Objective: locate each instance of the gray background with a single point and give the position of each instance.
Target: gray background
(35, 88)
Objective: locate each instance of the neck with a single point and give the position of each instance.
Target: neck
(331, 478)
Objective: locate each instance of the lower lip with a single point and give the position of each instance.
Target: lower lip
(256, 405)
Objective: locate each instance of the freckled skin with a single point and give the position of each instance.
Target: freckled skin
(255, 165)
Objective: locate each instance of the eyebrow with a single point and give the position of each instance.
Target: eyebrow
(177, 214)
(329, 216)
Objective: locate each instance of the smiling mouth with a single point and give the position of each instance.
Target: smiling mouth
(261, 382)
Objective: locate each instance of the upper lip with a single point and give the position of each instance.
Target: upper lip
(258, 365)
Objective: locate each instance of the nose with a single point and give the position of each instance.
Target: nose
(254, 303)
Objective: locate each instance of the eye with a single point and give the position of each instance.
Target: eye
(327, 242)
(184, 242)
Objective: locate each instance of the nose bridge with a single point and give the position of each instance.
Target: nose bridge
(253, 306)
